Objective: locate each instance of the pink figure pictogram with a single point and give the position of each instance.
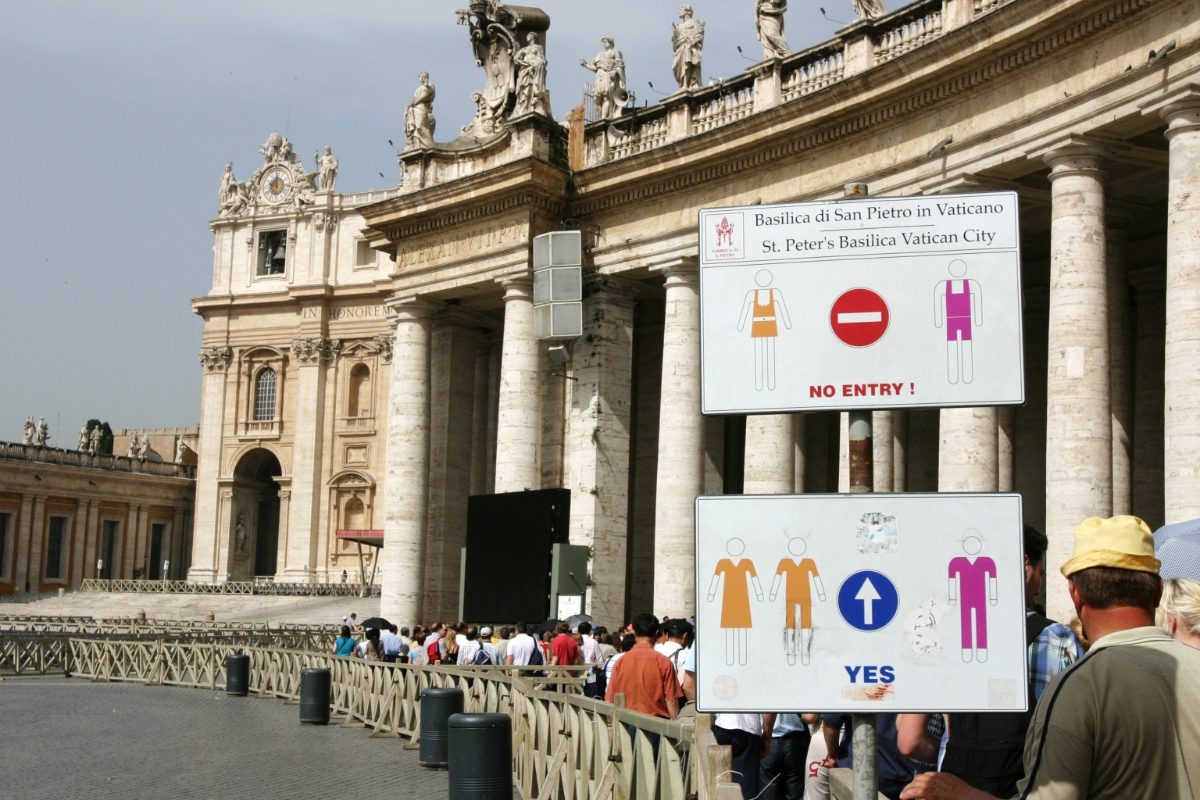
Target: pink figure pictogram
(958, 306)
(973, 588)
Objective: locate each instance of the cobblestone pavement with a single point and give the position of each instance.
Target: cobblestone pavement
(67, 739)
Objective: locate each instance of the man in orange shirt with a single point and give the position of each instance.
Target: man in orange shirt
(645, 677)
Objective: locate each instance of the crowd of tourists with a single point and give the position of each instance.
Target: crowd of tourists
(1114, 693)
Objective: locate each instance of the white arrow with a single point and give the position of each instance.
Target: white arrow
(868, 595)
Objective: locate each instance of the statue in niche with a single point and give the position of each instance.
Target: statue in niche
(43, 433)
(28, 431)
(531, 78)
(610, 88)
(687, 38)
(769, 22)
(239, 534)
(94, 440)
(419, 123)
(83, 439)
(327, 168)
(869, 9)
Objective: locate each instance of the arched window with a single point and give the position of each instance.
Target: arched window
(358, 403)
(264, 396)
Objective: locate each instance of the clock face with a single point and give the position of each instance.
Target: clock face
(275, 186)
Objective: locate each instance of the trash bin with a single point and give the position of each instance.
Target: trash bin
(237, 674)
(314, 696)
(480, 749)
(437, 704)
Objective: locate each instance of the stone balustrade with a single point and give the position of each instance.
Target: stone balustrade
(856, 49)
(13, 451)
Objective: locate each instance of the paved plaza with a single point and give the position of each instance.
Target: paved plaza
(71, 738)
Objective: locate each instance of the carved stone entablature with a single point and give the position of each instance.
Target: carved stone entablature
(509, 45)
(216, 359)
(315, 350)
(383, 342)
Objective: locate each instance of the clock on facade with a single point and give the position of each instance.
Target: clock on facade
(276, 185)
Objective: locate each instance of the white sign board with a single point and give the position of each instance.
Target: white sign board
(860, 603)
(889, 302)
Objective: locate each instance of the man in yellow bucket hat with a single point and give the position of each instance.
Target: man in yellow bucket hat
(1123, 722)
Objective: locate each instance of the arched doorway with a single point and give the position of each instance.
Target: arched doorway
(254, 529)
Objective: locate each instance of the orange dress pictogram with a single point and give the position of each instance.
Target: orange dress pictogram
(735, 599)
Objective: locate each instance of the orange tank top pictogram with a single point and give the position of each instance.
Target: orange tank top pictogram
(764, 325)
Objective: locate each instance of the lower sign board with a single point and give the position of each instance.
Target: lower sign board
(860, 603)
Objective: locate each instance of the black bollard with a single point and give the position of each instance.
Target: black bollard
(237, 674)
(315, 687)
(437, 705)
(480, 757)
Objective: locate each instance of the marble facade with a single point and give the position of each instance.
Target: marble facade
(398, 326)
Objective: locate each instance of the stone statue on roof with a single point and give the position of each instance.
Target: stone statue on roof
(687, 39)
(869, 9)
(509, 43)
(769, 23)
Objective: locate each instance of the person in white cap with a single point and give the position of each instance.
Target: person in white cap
(1178, 548)
(1121, 723)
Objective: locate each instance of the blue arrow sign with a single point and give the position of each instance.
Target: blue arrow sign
(868, 600)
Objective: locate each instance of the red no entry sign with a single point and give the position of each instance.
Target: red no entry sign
(859, 317)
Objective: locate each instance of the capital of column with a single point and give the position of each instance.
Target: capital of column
(1075, 154)
(679, 272)
(410, 308)
(1179, 107)
(216, 359)
(517, 287)
(313, 351)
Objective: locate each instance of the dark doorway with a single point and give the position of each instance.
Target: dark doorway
(157, 531)
(256, 473)
(108, 549)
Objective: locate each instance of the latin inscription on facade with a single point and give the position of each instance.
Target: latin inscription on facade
(480, 241)
(352, 312)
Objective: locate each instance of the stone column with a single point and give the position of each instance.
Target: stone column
(770, 464)
(299, 549)
(899, 451)
(1005, 442)
(597, 442)
(407, 484)
(1148, 402)
(92, 540)
(205, 557)
(481, 413)
(79, 541)
(24, 534)
(178, 537)
(37, 544)
(800, 453)
(1181, 423)
(451, 414)
(883, 451)
(493, 411)
(1078, 421)
(129, 556)
(519, 425)
(1119, 357)
(680, 444)
(968, 457)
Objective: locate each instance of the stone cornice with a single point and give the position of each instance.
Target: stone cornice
(909, 98)
(525, 184)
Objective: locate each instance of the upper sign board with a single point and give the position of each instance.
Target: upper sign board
(851, 603)
(887, 302)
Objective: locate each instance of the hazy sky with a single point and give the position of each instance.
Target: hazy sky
(120, 114)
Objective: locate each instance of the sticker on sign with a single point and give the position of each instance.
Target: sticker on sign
(898, 302)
